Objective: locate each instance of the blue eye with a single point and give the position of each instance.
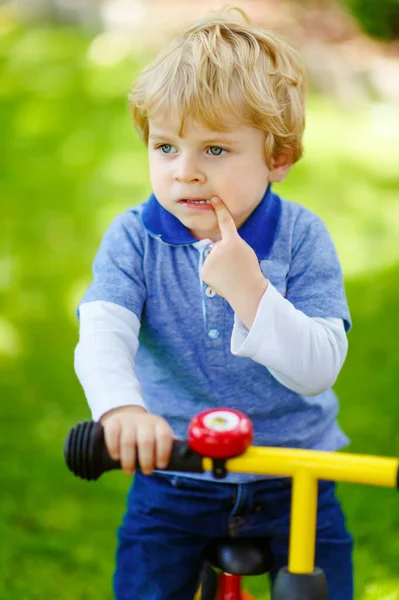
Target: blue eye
(166, 148)
(216, 150)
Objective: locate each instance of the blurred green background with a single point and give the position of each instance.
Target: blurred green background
(70, 161)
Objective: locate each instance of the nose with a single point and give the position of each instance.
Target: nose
(188, 170)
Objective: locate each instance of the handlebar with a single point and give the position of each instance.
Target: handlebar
(219, 441)
(86, 454)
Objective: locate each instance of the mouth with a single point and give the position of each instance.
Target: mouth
(198, 201)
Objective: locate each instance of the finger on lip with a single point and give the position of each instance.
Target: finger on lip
(216, 201)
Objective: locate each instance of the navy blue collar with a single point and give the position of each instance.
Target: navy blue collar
(259, 230)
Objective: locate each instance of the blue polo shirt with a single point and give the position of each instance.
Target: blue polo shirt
(149, 263)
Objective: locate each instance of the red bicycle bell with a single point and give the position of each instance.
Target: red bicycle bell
(220, 433)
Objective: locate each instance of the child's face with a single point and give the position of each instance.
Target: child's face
(204, 163)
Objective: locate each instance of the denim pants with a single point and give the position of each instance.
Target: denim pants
(171, 519)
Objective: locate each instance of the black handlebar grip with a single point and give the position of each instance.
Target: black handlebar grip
(86, 454)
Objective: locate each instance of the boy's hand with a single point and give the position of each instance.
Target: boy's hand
(232, 268)
(132, 434)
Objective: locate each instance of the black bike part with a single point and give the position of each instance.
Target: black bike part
(86, 454)
(241, 556)
(219, 470)
(312, 586)
(208, 582)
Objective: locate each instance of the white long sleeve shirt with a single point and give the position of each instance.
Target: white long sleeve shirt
(304, 354)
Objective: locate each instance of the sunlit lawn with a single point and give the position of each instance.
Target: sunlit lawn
(70, 162)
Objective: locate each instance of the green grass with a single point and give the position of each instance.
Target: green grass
(70, 162)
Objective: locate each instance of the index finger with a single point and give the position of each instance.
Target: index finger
(164, 444)
(225, 220)
(112, 434)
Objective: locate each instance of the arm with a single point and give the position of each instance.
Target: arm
(104, 357)
(104, 364)
(304, 354)
(110, 315)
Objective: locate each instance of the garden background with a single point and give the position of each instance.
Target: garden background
(70, 161)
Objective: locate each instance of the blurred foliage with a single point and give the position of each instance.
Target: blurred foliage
(378, 18)
(70, 162)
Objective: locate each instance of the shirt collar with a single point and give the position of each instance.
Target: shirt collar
(259, 230)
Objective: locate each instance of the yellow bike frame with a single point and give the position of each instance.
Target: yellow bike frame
(306, 467)
(86, 456)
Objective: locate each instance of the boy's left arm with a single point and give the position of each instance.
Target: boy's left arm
(232, 269)
(305, 354)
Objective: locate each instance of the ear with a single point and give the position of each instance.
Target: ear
(281, 166)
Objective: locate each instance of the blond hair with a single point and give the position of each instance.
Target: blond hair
(223, 70)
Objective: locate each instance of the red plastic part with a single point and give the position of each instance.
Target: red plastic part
(220, 433)
(229, 587)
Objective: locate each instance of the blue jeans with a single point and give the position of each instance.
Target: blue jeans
(171, 519)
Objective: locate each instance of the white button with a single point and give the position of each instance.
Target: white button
(210, 292)
(213, 334)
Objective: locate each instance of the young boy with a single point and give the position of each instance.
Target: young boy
(215, 292)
